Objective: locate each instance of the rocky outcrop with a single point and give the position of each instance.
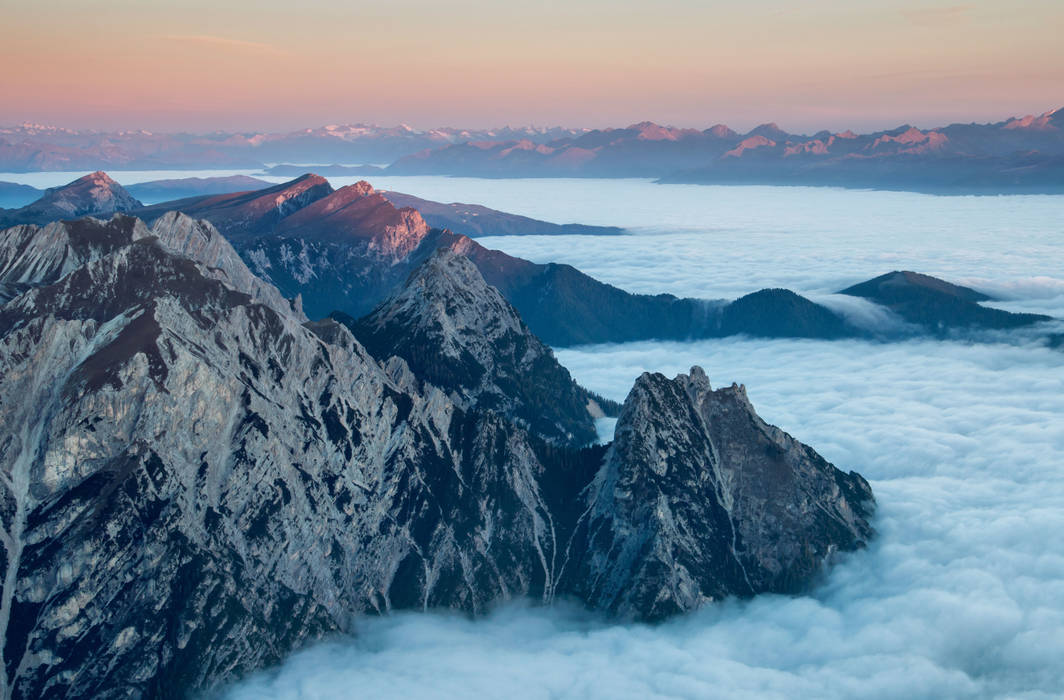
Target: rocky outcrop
(199, 240)
(95, 194)
(33, 255)
(700, 499)
(358, 215)
(474, 220)
(193, 482)
(458, 333)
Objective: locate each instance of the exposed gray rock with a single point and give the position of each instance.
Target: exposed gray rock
(200, 240)
(459, 333)
(194, 481)
(33, 255)
(193, 484)
(699, 499)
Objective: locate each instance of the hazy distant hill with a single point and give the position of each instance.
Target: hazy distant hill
(180, 188)
(1017, 155)
(95, 194)
(14, 195)
(1022, 154)
(32, 147)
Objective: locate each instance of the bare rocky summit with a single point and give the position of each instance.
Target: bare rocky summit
(95, 194)
(699, 499)
(459, 333)
(194, 480)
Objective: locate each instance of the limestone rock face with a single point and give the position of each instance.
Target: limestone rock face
(32, 255)
(459, 333)
(195, 481)
(699, 499)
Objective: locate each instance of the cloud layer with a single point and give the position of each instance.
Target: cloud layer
(961, 595)
(723, 242)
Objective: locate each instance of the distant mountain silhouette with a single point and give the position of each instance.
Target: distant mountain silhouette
(937, 305)
(1017, 155)
(13, 195)
(180, 188)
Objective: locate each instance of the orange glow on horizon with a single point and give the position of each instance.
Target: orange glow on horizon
(279, 65)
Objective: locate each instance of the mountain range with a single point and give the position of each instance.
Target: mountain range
(34, 147)
(196, 479)
(1016, 155)
(235, 423)
(1019, 155)
(349, 249)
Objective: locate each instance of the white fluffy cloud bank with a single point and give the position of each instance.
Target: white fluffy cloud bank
(960, 596)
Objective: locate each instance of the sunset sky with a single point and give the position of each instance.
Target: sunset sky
(280, 64)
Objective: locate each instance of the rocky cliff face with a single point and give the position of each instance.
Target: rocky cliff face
(474, 220)
(358, 215)
(33, 255)
(95, 194)
(699, 499)
(457, 332)
(194, 481)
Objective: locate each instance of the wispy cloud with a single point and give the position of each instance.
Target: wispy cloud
(227, 42)
(937, 16)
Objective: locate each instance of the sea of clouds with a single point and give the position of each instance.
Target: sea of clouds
(719, 242)
(960, 595)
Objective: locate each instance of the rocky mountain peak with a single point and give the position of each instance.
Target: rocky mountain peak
(34, 255)
(457, 332)
(95, 194)
(677, 515)
(195, 483)
(200, 240)
(363, 188)
(244, 216)
(358, 213)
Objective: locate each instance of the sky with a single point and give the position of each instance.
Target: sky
(275, 64)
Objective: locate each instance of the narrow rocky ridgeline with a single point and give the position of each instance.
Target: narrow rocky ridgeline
(194, 481)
